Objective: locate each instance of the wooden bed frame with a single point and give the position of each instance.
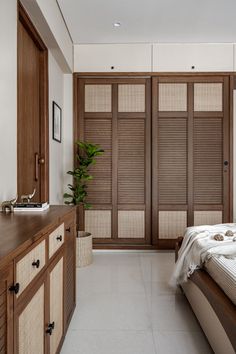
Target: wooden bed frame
(215, 312)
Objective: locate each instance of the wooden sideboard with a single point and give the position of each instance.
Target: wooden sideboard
(37, 279)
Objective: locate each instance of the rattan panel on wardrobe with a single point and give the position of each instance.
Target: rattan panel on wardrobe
(172, 224)
(172, 97)
(208, 97)
(97, 98)
(131, 98)
(32, 326)
(98, 223)
(207, 217)
(131, 224)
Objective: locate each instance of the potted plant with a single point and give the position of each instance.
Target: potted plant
(86, 155)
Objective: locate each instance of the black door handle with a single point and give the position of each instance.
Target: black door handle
(36, 263)
(59, 238)
(50, 328)
(15, 288)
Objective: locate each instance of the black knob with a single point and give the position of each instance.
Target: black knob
(36, 263)
(68, 229)
(15, 288)
(226, 163)
(50, 328)
(59, 238)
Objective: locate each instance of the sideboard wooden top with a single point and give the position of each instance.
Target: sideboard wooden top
(20, 229)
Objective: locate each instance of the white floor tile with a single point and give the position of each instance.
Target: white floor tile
(172, 312)
(181, 343)
(108, 311)
(126, 306)
(109, 342)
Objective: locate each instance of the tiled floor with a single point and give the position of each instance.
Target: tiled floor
(125, 306)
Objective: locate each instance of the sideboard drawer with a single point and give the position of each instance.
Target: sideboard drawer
(56, 239)
(30, 265)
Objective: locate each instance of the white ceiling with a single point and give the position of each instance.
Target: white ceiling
(91, 21)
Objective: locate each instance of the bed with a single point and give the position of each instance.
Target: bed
(211, 292)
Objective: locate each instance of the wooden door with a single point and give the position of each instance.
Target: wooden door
(30, 323)
(32, 146)
(115, 113)
(6, 311)
(191, 154)
(56, 303)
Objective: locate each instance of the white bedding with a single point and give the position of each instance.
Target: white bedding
(199, 246)
(223, 271)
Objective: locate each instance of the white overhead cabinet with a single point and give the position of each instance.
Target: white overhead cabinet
(193, 57)
(112, 57)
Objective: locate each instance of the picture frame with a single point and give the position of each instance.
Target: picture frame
(56, 122)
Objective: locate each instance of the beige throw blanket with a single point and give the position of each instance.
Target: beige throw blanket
(199, 246)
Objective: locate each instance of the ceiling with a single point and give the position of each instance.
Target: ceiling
(143, 21)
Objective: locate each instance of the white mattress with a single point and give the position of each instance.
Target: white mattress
(223, 271)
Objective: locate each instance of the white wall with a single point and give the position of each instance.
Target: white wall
(56, 84)
(8, 99)
(68, 151)
(61, 154)
(60, 64)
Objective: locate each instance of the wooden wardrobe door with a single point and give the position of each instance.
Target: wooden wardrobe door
(133, 162)
(170, 159)
(95, 126)
(115, 113)
(211, 149)
(191, 154)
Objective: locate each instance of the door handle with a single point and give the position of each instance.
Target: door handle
(41, 161)
(36, 162)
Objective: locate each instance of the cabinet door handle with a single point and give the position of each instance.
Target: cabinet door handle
(36, 263)
(59, 238)
(15, 288)
(50, 328)
(68, 229)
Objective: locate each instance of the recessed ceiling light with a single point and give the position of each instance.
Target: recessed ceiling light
(116, 24)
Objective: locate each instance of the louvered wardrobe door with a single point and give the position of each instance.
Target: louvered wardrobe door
(210, 150)
(133, 134)
(115, 113)
(95, 126)
(170, 159)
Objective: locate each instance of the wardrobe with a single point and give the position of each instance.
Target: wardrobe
(167, 161)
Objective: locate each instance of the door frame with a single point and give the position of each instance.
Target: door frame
(24, 19)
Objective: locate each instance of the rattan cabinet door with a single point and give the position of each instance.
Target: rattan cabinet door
(31, 325)
(56, 303)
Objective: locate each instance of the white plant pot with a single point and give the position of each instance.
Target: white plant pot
(84, 247)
